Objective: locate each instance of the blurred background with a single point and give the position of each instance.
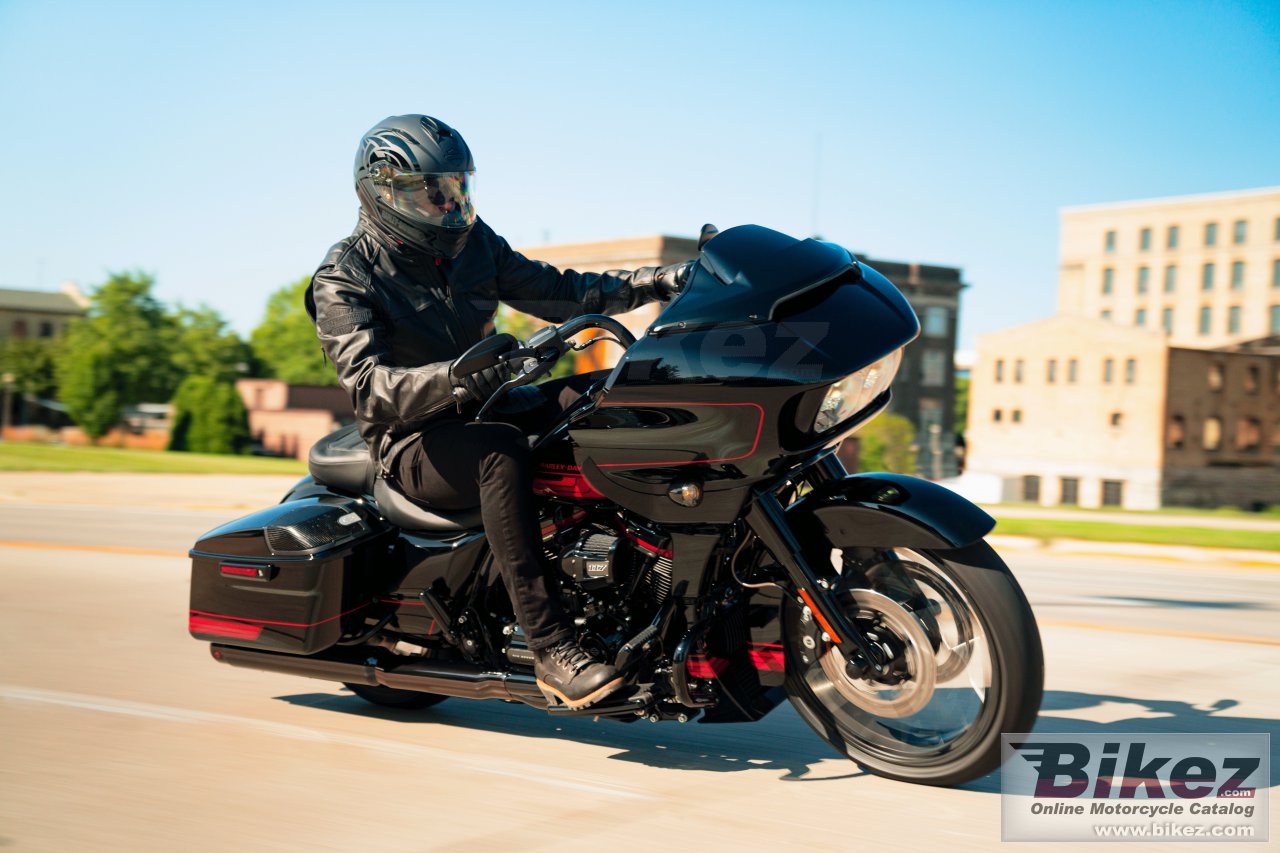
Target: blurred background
(1081, 201)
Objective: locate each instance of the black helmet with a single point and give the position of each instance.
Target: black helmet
(413, 175)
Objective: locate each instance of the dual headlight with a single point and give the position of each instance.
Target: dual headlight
(856, 391)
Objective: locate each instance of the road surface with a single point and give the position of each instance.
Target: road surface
(120, 732)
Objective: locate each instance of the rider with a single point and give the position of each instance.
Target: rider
(415, 285)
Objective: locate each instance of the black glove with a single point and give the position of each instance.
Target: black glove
(670, 280)
(478, 386)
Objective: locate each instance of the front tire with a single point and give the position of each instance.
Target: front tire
(969, 664)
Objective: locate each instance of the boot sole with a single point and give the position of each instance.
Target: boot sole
(586, 701)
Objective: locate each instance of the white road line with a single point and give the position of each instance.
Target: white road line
(533, 773)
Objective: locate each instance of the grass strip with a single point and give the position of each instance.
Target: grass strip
(1100, 531)
(50, 457)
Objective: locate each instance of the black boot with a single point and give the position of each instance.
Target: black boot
(566, 672)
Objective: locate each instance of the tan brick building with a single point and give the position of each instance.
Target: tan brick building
(1205, 268)
(286, 420)
(1078, 411)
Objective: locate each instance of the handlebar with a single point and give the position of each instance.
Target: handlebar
(540, 353)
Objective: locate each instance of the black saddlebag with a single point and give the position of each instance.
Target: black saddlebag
(292, 578)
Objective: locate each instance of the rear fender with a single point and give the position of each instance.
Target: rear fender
(889, 511)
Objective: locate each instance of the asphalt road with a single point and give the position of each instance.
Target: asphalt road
(120, 733)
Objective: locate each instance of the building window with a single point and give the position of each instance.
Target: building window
(1248, 435)
(1106, 315)
(1212, 433)
(1109, 240)
(1069, 493)
(1237, 275)
(1140, 317)
(1206, 277)
(1144, 279)
(1170, 279)
(1177, 437)
(999, 369)
(933, 368)
(1144, 239)
(997, 416)
(1252, 379)
(1130, 371)
(1275, 320)
(1017, 416)
(1216, 377)
(1108, 371)
(1166, 320)
(937, 321)
(1277, 234)
(1206, 320)
(1211, 234)
(1031, 489)
(1117, 419)
(46, 330)
(1112, 492)
(1072, 370)
(1275, 273)
(1108, 281)
(1171, 237)
(1239, 232)
(1017, 371)
(1233, 320)
(1051, 371)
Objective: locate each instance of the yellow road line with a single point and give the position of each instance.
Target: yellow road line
(1162, 632)
(98, 549)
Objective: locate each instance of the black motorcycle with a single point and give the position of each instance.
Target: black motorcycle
(701, 530)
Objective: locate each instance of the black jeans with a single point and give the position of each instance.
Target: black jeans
(456, 464)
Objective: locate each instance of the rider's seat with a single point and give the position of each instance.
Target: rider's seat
(341, 460)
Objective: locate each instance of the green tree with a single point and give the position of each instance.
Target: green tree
(962, 404)
(204, 346)
(119, 355)
(33, 364)
(209, 417)
(285, 341)
(887, 444)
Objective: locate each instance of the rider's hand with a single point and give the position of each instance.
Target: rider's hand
(478, 386)
(670, 280)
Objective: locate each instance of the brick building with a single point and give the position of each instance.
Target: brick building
(39, 313)
(285, 420)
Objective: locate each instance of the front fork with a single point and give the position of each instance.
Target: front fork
(767, 519)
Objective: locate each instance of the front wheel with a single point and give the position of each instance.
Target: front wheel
(959, 656)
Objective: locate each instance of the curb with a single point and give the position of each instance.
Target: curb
(1202, 557)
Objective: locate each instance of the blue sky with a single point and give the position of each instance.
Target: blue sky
(211, 143)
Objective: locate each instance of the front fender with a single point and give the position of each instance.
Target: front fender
(890, 511)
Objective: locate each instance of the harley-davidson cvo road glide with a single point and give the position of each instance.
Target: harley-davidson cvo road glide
(700, 529)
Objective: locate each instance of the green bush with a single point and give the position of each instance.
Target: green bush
(209, 417)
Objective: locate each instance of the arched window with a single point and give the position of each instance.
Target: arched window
(1117, 419)
(1177, 437)
(1216, 377)
(1212, 433)
(1248, 434)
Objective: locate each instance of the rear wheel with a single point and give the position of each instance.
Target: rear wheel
(391, 697)
(960, 661)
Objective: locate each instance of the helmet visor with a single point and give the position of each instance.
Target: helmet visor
(428, 199)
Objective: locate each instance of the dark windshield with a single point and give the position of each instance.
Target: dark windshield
(745, 273)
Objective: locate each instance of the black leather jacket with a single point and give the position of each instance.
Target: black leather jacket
(391, 322)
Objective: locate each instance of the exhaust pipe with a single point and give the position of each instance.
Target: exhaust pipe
(444, 679)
